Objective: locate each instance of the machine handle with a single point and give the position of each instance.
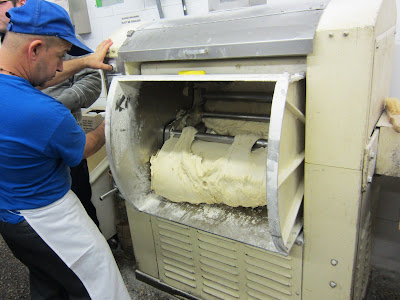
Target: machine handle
(108, 193)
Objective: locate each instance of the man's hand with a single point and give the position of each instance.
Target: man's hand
(95, 60)
(71, 67)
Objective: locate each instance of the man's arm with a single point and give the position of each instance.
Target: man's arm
(81, 90)
(71, 67)
(94, 141)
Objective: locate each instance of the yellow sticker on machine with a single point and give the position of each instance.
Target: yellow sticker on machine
(194, 72)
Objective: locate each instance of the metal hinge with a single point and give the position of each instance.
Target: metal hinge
(370, 155)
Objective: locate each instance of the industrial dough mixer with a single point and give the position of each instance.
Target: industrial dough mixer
(313, 75)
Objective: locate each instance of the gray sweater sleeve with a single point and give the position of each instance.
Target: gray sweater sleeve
(79, 91)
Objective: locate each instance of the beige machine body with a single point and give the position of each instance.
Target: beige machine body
(319, 71)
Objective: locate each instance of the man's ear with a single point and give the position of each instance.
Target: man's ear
(35, 48)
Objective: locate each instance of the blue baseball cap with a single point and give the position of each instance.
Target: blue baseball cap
(40, 17)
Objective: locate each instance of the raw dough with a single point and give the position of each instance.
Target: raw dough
(235, 127)
(188, 170)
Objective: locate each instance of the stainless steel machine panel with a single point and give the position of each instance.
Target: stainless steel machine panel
(266, 30)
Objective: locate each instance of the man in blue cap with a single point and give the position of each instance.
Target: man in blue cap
(41, 220)
(94, 61)
(79, 91)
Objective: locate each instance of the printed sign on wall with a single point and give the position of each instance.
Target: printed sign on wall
(101, 3)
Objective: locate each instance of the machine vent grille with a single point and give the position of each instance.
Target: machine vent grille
(212, 267)
(219, 266)
(268, 276)
(176, 253)
(363, 259)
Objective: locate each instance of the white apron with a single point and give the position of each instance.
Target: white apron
(65, 226)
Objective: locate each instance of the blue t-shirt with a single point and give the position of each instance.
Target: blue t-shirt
(39, 141)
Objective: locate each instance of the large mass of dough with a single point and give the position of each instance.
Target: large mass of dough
(188, 170)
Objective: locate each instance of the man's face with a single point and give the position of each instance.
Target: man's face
(50, 62)
(4, 7)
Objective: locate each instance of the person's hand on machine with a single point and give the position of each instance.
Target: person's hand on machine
(95, 60)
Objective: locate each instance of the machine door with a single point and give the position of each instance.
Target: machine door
(139, 108)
